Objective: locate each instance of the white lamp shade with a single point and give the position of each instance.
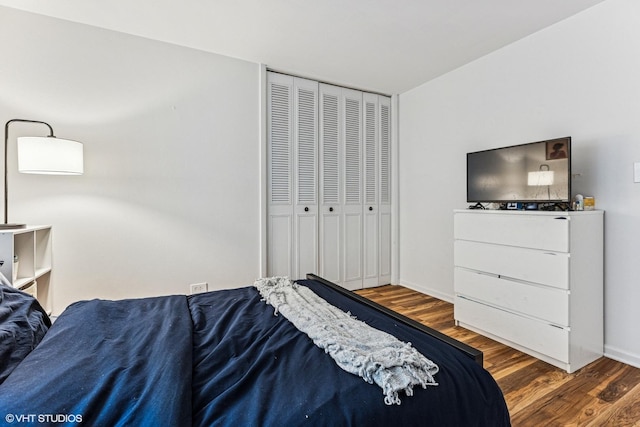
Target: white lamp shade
(49, 155)
(540, 178)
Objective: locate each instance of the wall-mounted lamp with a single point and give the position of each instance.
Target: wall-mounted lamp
(41, 155)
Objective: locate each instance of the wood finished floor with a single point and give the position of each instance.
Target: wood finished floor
(604, 393)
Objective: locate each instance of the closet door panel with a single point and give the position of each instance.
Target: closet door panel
(370, 146)
(279, 174)
(305, 142)
(331, 151)
(384, 188)
(353, 189)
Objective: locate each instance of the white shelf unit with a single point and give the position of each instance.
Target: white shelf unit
(25, 260)
(532, 280)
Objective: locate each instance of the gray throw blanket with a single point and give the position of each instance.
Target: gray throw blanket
(356, 347)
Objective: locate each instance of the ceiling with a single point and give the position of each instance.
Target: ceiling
(387, 46)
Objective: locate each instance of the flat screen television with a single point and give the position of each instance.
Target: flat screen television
(537, 172)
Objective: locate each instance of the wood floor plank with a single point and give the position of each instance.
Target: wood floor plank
(625, 412)
(604, 393)
(569, 402)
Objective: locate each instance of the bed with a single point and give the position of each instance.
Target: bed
(219, 358)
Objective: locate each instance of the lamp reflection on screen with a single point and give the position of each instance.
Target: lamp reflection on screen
(540, 178)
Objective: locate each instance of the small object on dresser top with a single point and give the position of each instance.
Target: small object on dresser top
(589, 203)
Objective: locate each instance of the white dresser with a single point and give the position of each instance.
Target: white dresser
(532, 280)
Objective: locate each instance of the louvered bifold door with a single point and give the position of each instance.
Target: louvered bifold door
(384, 206)
(305, 177)
(329, 189)
(370, 146)
(331, 153)
(352, 190)
(280, 175)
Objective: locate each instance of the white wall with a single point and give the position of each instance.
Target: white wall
(581, 78)
(170, 194)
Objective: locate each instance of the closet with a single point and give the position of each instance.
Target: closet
(329, 200)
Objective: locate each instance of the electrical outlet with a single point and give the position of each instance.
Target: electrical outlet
(198, 288)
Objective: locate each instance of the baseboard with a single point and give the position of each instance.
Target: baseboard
(622, 356)
(427, 291)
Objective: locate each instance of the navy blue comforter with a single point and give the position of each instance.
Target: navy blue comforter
(223, 358)
(23, 324)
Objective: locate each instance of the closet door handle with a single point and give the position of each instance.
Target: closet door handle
(330, 209)
(306, 209)
(370, 208)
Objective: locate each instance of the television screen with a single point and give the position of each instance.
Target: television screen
(535, 172)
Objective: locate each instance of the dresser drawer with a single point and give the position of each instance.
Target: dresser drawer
(531, 265)
(547, 232)
(532, 334)
(551, 305)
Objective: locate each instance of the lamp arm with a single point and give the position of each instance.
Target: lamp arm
(6, 144)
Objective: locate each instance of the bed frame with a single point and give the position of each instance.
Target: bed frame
(467, 350)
